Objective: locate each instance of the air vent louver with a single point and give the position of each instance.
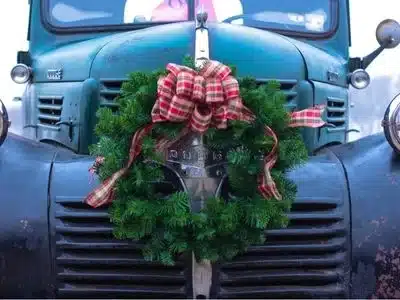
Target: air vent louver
(336, 114)
(110, 89)
(49, 110)
(289, 88)
(92, 263)
(305, 260)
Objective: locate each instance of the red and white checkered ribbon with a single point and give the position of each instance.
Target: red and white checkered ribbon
(206, 98)
(310, 117)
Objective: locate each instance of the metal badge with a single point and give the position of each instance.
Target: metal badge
(55, 74)
(333, 76)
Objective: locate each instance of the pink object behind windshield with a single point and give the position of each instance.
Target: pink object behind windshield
(177, 10)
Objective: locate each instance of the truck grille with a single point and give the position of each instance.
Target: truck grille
(110, 89)
(305, 260)
(90, 262)
(49, 110)
(336, 111)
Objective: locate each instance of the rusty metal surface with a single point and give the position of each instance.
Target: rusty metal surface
(373, 173)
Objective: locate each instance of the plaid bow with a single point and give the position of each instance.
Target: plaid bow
(206, 98)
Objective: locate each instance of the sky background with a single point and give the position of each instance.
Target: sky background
(365, 16)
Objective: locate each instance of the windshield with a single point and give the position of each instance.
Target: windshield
(308, 16)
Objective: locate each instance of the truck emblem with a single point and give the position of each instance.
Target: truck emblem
(332, 76)
(55, 74)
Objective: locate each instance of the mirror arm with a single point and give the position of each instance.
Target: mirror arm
(363, 63)
(367, 60)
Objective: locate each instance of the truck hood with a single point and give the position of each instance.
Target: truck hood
(256, 53)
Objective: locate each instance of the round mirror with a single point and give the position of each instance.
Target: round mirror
(4, 122)
(388, 33)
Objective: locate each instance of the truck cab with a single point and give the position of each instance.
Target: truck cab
(80, 53)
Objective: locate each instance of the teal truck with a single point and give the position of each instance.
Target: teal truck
(341, 241)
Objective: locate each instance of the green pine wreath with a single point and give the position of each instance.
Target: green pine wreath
(222, 229)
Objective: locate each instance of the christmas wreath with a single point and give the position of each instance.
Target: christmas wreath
(240, 117)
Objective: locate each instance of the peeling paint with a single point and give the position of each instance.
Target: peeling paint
(388, 273)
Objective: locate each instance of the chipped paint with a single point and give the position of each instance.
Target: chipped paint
(388, 273)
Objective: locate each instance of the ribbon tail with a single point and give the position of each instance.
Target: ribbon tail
(310, 117)
(267, 186)
(104, 194)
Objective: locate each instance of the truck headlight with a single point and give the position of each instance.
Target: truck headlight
(4, 122)
(21, 73)
(391, 124)
(360, 79)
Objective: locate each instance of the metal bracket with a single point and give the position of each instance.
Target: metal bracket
(71, 126)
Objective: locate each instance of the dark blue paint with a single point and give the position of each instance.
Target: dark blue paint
(25, 257)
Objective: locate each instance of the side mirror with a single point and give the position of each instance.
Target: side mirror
(4, 122)
(388, 37)
(388, 34)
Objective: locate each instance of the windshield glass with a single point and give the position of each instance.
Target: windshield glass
(309, 16)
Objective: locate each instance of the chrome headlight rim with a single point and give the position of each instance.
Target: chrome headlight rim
(357, 74)
(391, 127)
(4, 122)
(26, 77)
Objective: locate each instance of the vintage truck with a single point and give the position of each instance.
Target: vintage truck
(342, 240)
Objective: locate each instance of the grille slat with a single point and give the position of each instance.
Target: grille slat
(109, 245)
(94, 290)
(290, 277)
(285, 292)
(104, 275)
(286, 261)
(49, 111)
(304, 247)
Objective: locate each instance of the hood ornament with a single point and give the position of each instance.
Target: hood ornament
(202, 52)
(201, 18)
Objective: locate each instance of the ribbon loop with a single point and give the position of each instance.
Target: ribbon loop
(214, 91)
(231, 88)
(185, 84)
(199, 89)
